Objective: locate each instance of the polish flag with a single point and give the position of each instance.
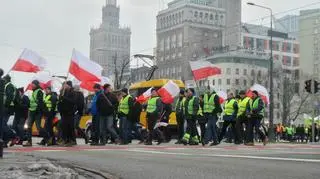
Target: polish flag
(168, 92)
(203, 69)
(88, 85)
(263, 92)
(222, 96)
(83, 68)
(29, 61)
(44, 78)
(144, 97)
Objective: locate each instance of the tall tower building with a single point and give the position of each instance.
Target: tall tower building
(110, 43)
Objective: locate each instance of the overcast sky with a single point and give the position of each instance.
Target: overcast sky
(54, 27)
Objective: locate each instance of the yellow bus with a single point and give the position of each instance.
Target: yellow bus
(139, 88)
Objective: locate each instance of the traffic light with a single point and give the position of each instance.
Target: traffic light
(307, 86)
(316, 86)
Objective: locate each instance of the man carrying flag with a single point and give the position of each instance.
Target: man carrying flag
(244, 104)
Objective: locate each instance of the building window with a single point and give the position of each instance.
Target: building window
(244, 71)
(237, 71)
(228, 81)
(237, 81)
(278, 115)
(168, 43)
(276, 46)
(244, 82)
(200, 14)
(252, 73)
(219, 81)
(196, 14)
(174, 41)
(180, 40)
(278, 105)
(211, 16)
(213, 82)
(260, 44)
(228, 71)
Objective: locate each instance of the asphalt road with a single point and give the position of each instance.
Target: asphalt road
(177, 161)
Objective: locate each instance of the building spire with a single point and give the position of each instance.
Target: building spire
(111, 2)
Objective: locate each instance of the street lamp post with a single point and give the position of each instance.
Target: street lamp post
(1, 112)
(271, 131)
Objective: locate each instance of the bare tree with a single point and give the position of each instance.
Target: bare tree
(119, 72)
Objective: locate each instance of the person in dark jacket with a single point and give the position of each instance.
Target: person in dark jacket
(95, 115)
(67, 109)
(107, 104)
(135, 117)
(50, 111)
(202, 120)
(256, 116)
(167, 110)
(79, 113)
(22, 105)
(180, 115)
(35, 111)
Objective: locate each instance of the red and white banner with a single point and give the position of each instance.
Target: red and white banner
(203, 69)
(263, 92)
(88, 85)
(29, 61)
(168, 92)
(144, 97)
(44, 78)
(84, 69)
(222, 96)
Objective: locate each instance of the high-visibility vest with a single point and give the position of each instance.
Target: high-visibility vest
(180, 105)
(242, 103)
(255, 105)
(190, 105)
(200, 112)
(14, 93)
(152, 105)
(124, 105)
(34, 100)
(208, 106)
(48, 102)
(228, 107)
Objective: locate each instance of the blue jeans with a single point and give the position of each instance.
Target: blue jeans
(125, 129)
(211, 132)
(107, 126)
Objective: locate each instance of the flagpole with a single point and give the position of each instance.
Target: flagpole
(68, 72)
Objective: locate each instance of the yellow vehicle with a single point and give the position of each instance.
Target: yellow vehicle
(139, 88)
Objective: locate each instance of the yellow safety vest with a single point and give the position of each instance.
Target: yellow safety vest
(34, 100)
(180, 105)
(124, 105)
(5, 96)
(208, 106)
(228, 107)
(255, 105)
(242, 103)
(152, 105)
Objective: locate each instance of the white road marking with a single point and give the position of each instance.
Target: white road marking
(228, 156)
(50, 150)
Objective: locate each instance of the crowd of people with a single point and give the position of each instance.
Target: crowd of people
(300, 133)
(242, 117)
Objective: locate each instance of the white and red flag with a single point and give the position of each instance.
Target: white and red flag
(263, 92)
(29, 61)
(44, 79)
(83, 69)
(88, 85)
(168, 92)
(222, 96)
(144, 97)
(203, 69)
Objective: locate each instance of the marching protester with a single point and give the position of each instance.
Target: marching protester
(202, 120)
(154, 109)
(125, 115)
(167, 110)
(78, 114)
(211, 108)
(192, 108)
(180, 115)
(95, 115)
(135, 117)
(107, 104)
(67, 108)
(10, 93)
(22, 105)
(35, 111)
(229, 117)
(256, 116)
(244, 104)
(50, 111)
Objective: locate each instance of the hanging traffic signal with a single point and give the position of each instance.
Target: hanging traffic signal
(307, 86)
(316, 86)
